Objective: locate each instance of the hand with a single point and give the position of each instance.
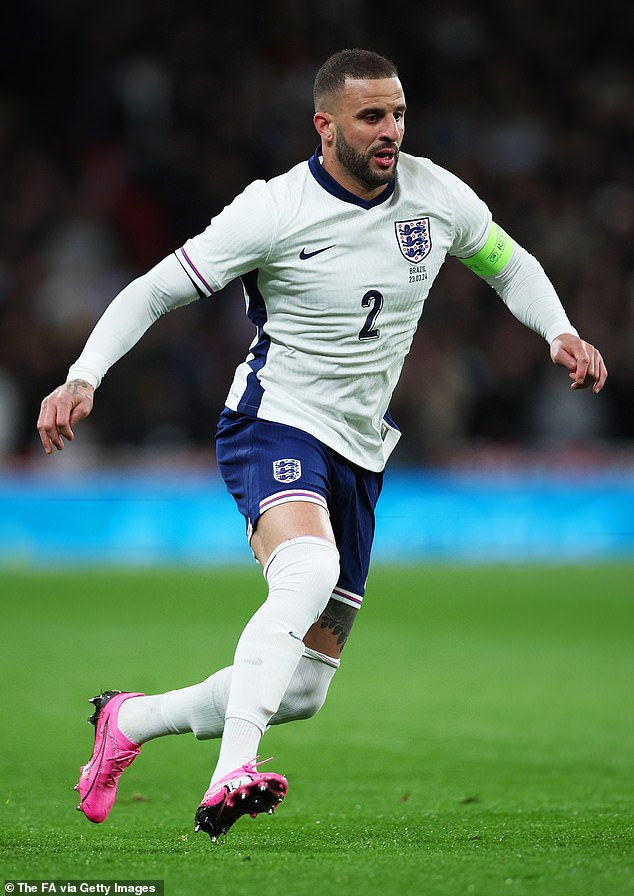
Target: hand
(583, 360)
(60, 410)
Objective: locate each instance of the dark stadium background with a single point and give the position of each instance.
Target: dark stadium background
(125, 126)
(478, 725)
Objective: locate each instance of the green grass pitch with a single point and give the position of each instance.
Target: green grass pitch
(478, 739)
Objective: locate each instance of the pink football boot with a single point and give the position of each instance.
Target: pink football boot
(111, 755)
(245, 791)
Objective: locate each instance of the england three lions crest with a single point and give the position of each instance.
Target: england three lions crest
(289, 469)
(414, 238)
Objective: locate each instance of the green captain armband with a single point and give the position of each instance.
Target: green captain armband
(493, 256)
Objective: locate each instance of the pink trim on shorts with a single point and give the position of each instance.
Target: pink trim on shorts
(292, 494)
(347, 597)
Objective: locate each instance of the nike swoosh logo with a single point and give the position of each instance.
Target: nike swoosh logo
(304, 254)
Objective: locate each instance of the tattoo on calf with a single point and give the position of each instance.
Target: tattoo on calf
(338, 617)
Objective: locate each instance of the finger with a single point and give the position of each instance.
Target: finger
(62, 407)
(47, 427)
(564, 358)
(593, 367)
(601, 378)
(596, 373)
(63, 422)
(44, 437)
(67, 433)
(582, 357)
(41, 428)
(79, 412)
(575, 358)
(58, 409)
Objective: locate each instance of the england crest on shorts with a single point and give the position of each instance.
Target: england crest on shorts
(287, 470)
(414, 238)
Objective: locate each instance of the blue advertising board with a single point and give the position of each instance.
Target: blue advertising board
(444, 517)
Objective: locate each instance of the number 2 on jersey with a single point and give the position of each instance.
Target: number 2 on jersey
(373, 300)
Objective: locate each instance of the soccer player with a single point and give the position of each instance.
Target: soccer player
(336, 257)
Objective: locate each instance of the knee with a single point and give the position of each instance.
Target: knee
(305, 565)
(323, 565)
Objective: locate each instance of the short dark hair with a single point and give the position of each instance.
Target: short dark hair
(356, 64)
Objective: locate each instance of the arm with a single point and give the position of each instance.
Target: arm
(520, 281)
(123, 323)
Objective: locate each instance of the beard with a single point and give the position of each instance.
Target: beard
(358, 163)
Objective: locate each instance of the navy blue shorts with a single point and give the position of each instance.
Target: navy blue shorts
(266, 464)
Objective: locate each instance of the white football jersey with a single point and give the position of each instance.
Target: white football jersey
(335, 287)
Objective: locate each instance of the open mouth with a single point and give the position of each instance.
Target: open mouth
(384, 157)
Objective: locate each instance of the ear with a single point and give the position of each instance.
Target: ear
(324, 125)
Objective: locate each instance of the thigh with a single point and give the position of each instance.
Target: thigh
(274, 472)
(289, 520)
(287, 484)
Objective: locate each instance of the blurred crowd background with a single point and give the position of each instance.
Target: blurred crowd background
(125, 126)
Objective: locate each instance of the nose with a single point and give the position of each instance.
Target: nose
(391, 129)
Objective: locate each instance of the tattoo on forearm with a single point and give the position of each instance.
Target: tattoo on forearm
(338, 617)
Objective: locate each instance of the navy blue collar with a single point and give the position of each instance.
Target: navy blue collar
(332, 186)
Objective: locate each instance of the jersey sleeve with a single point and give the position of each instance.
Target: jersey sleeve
(237, 240)
(518, 278)
(528, 293)
(471, 219)
(129, 315)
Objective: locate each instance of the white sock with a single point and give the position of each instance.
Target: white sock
(307, 689)
(301, 573)
(201, 708)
